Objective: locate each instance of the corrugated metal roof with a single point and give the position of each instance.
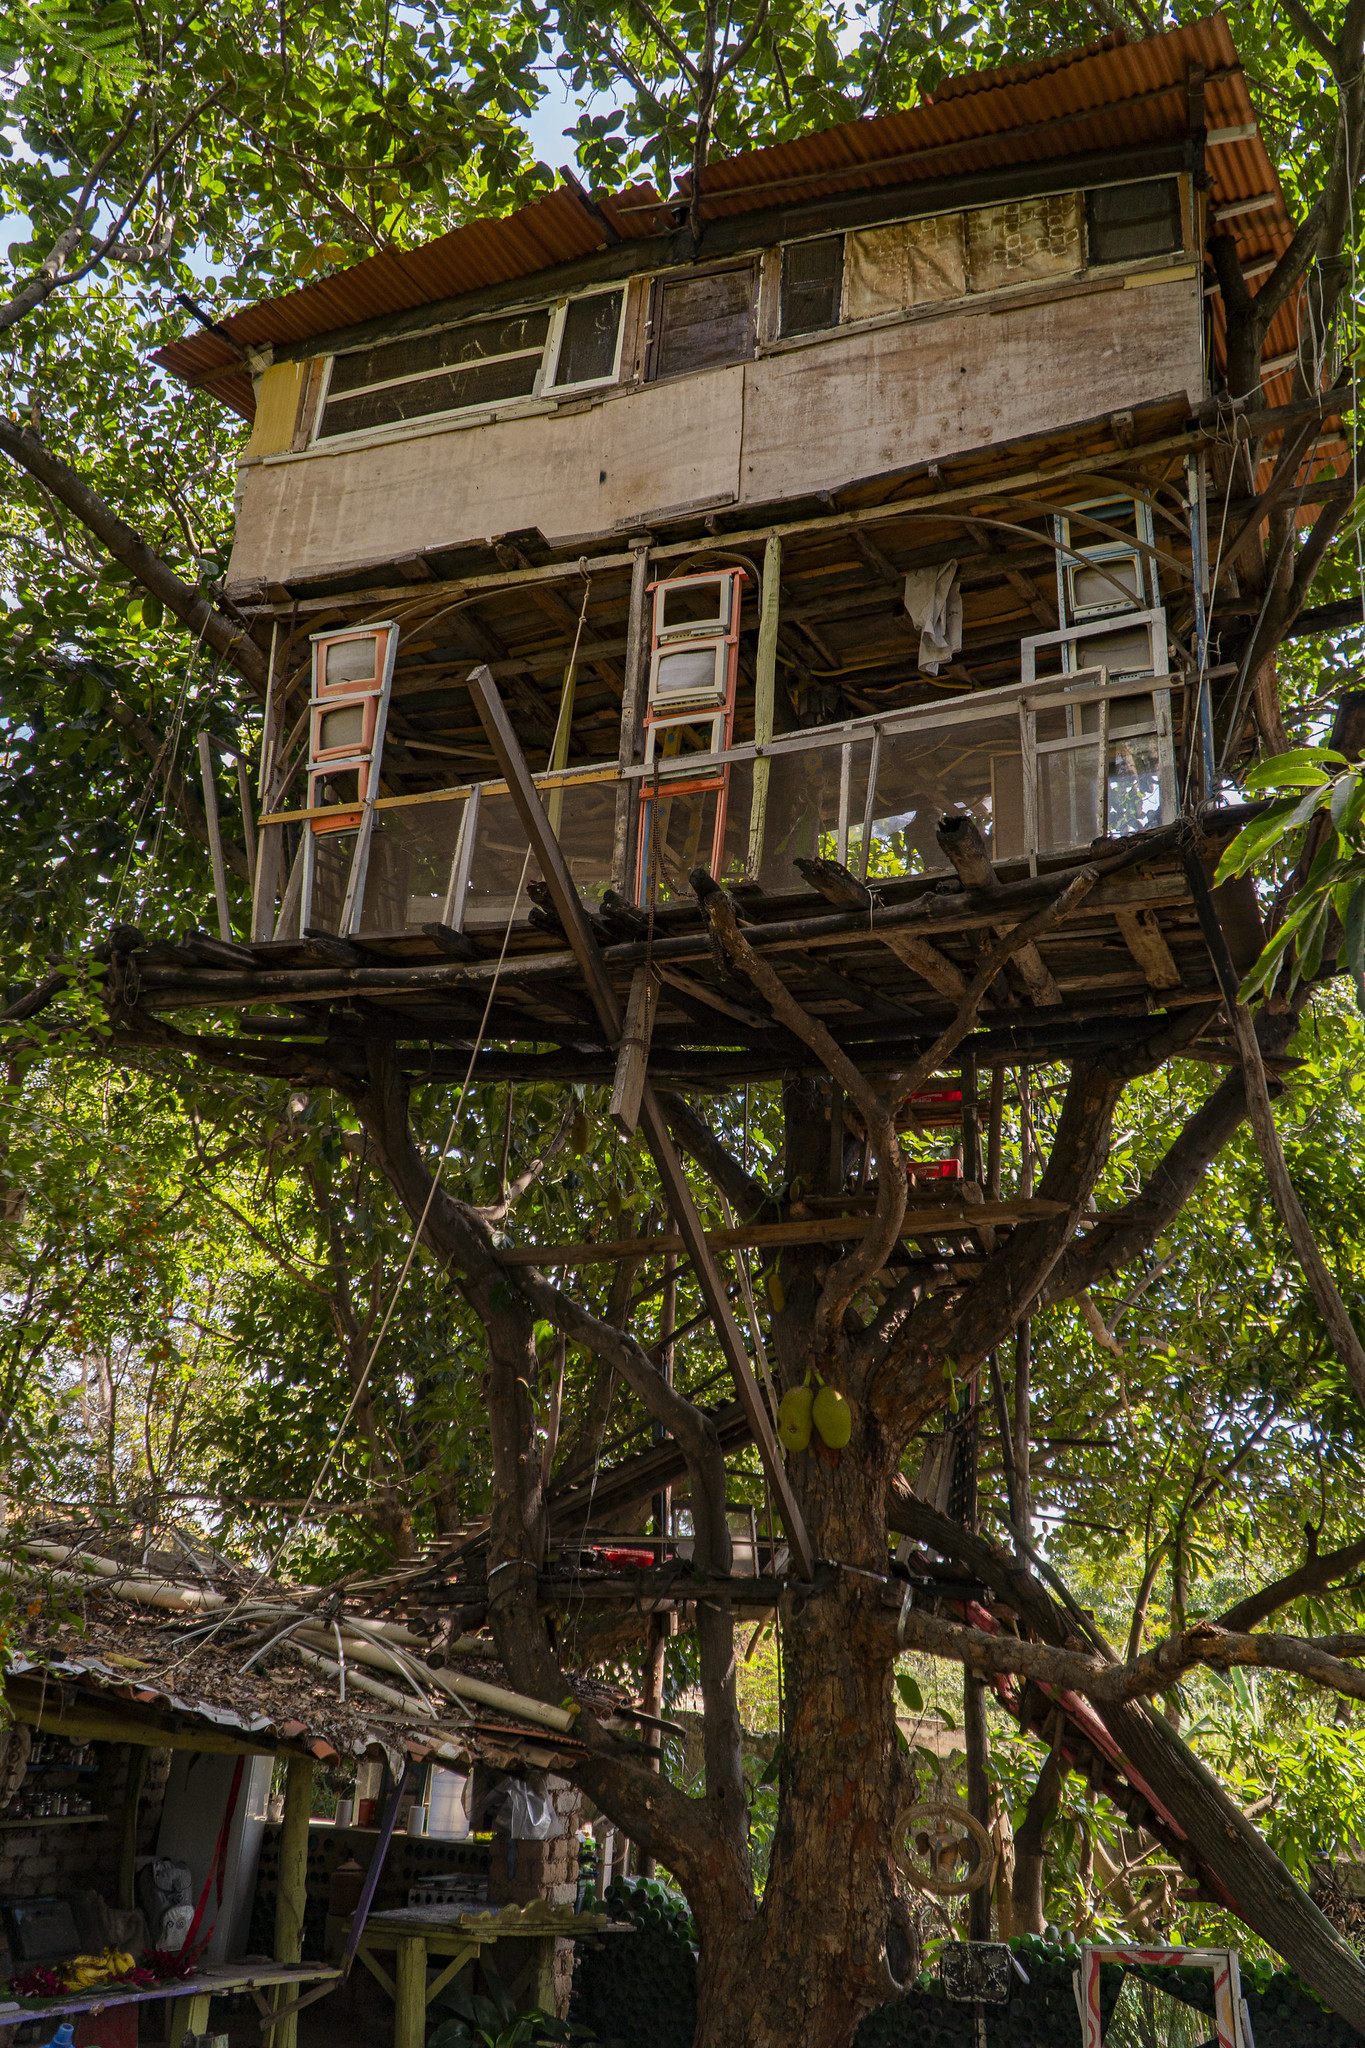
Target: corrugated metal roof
(1109, 96)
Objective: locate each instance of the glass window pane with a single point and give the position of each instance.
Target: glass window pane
(587, 352)
(1069, 798)
(1147, 2016)
(352, 661)
(1134, 793)
(812, 284)
(344, 727)
(449, 391)
(1131, 714)
(508, 334)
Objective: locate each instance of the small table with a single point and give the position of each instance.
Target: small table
(415, 1933)
(192, 1994)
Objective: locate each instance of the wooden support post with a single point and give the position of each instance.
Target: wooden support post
(410, 1987)
(293, 1885)
(993, 1136)
(632, 718)
(961, 840)
(673, 1180)
(632, 1060)
(971, 1123)
(1143, 937)
(248, 825)
(765, 697)
(652, 1702)
(215, 836)
(978, 1793)
(135, 1778)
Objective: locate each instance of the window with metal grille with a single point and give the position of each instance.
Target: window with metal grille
(1127, 222)
(812, 284)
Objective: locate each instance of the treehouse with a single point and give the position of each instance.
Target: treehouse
(852, 545)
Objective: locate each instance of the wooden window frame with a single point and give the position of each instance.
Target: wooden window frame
(659, 286)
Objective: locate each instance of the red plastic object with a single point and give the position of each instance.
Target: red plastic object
(115, 2027)
(629, 1560)
(934, 1169)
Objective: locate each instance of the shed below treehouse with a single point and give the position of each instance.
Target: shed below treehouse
(886, 500)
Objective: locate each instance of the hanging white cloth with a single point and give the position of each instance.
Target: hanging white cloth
(934, 602)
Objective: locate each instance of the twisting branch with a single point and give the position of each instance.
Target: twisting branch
(127, 546)
(1321, 1660)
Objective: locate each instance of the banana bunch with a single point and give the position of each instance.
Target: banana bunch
(82, 1973)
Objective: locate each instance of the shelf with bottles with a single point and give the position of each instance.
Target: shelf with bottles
(49, 1787)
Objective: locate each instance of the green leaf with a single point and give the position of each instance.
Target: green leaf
(909, 1692)
(1300, 768)
(1255, 840)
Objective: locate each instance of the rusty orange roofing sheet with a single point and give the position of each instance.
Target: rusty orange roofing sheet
(1109, 96)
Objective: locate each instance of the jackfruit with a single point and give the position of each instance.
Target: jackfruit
(793, 1417)
(832, 1417)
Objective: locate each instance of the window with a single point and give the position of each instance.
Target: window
(483, 363)
(700, 321)
(812, 284)
(587, 345)
(1127, 222)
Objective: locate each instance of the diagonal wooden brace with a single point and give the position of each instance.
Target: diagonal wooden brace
(677, 1192)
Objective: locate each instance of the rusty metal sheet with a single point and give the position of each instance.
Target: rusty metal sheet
(1109, 95)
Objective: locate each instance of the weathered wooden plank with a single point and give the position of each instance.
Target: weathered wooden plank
(632, 1059)
(932, 1220)
(1143, 936)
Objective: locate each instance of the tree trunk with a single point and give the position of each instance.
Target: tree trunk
(1030, 1848)
(834, 1935)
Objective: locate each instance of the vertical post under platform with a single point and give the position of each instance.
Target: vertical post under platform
(293, 1885)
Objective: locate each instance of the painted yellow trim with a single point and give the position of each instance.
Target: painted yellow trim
(277, 409)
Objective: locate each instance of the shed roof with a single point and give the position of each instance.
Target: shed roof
(104, 1650)
(1107, 96)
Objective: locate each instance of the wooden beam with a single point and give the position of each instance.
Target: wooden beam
(1143, 937)
(215, 836)
(41, 1706)
(676, 1190)
(135, 1774)
(632, 1060)
(942, 1219)
(919, 507)
(765, 698)
(961, 840)
(292, 1893)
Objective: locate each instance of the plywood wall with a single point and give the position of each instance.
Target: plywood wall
(851, 405)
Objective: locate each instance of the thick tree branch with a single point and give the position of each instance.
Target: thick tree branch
(993, 1655)
(748, 1197)
(200, 617)
(1314, 1576)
